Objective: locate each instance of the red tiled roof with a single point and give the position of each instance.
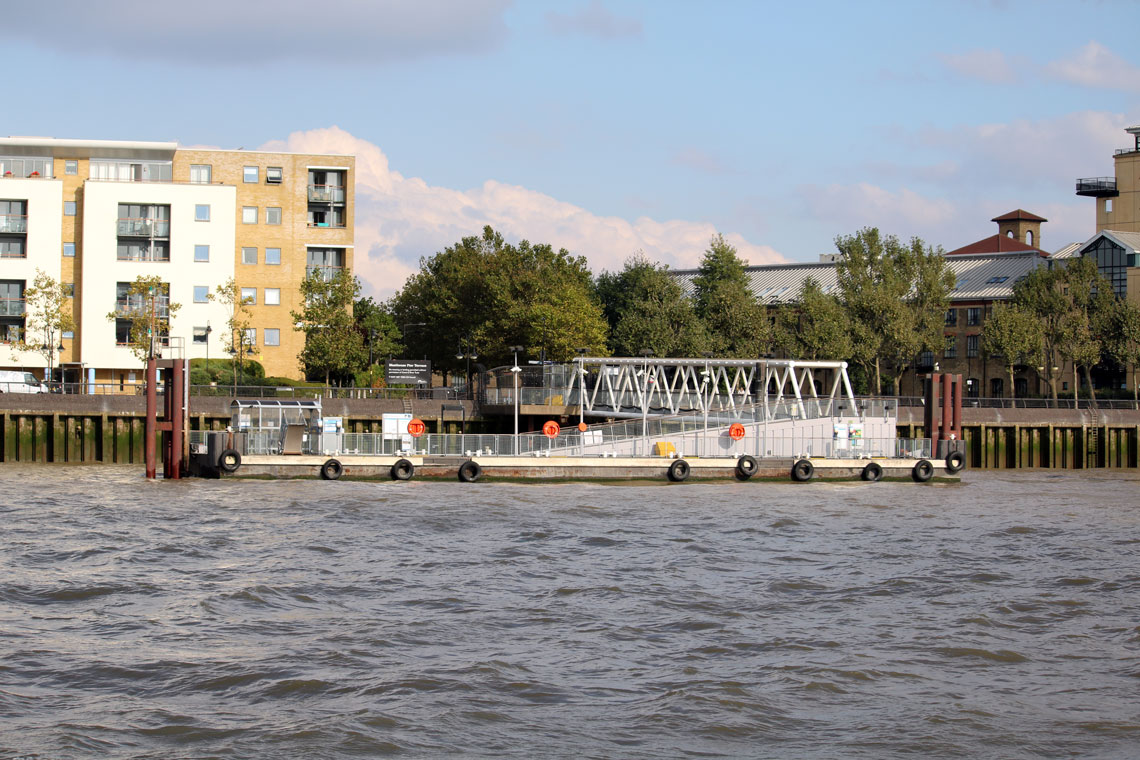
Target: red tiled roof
(997, 244)
(1019, 214)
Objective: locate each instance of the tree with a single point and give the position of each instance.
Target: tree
(1041, 294)
(1124, 341)
(237, 326)
(1015, 334)
(48, 315)
(1089, 304)
(148, 309)
(737, 325)
(895, 297)
(378, 331)
(333, 345)
(646, 309)
(815, 327)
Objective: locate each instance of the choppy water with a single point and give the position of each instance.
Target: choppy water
(998, 618)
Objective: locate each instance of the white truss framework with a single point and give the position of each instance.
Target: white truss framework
(631, 387)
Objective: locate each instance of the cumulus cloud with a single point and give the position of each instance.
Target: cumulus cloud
(401, 219)
(986, 65)
(1094, 65)
(594, 20)
(851, 207)
(221, 32)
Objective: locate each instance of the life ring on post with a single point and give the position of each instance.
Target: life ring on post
(679, 471)
(470, 471)
(955, 461)
(403, 470)
(746, 467)
(802, 471)
(332, 470)
(872, 473)
(229, 460)
(923, 471)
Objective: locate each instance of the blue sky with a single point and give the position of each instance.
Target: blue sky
(607, 126)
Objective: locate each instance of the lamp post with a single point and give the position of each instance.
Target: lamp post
(515, 369)
(466, 352)
(645, 354)
(208, 331)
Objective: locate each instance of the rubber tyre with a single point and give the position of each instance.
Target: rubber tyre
(229, 461)
(872, 473)
(802, 471)
(679, 471)
(470, 471)
(332, 470)
(923, 471)
(955, 462)
(403, 470)
(746, 467)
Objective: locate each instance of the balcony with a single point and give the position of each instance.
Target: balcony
(326, 194)
(147, 228)
(1097, 187)
(125, 308)
(14, 223)
(326, 273)
(11, 307)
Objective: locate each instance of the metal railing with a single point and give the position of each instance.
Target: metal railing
(144, 227)
(12, 307)
(14, 223)
(1028, 403)
(1096, 184)
(326, 193)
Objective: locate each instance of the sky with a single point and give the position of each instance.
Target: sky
(609, 127)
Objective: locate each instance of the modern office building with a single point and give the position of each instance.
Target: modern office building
(96, 214)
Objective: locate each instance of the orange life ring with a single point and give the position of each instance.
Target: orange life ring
(416, 428)
(550, 429)
(736, 431)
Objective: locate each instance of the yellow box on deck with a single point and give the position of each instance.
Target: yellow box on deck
(664, 449)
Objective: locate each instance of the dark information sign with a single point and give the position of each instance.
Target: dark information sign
(408, 372)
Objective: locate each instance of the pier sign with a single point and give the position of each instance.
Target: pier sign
(408, 372)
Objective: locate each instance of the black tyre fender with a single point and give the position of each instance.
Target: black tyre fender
(872, 473)
(746, 467)
(679, 471)
(470, 471)
(923, 471)
(230, 460)
(955, 461)
(402, 469)
(802, 471)
(332, 469)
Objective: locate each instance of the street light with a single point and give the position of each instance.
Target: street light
(516, 369)
(645, 354)
(208, 331)
(466, 352)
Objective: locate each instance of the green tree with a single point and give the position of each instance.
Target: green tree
(647, 309)
(47, 315)
(235, 339)
(1015, 334)
(895, 297)
(1089, 302)
(333, 345)
(379, 333)
(1042, 294)
(149, 309)
(736, 324)
(1124, 343)
(815, 327)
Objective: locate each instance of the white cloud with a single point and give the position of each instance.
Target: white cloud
(594, 20)
(986, 65)
(851, 207)
(223, 32)
(1094, 65)
(401, 219)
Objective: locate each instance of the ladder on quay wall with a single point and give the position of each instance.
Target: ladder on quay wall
(1094, 437)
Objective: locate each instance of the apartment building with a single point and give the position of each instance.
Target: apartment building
(96, 214)
(1116, 244)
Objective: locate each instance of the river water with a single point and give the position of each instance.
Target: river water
(273, 619)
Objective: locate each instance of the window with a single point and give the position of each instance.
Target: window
(71, 167)
(971, 346)
(201, 335)
(998, 280)
(142, 250)
(273, 175)
(249, 336)
(974, 316)
(12, 249)
(952, 318)
(926, 359)
(273, 215)
(201, 174)
(249, 255)
(128, 171)
(11, 166)
(249, 174)
(69, 334)
(325, 262)
(69, 249)
(249, 295)
(201, 294)
(951, 350)
(69, 289)
(273, 296)
(202, 212)
(69, 208)
(273, 256)
(272, 336)
(201, 253)
(249, 214)
(1108, 205)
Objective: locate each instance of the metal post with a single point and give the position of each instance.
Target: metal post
(515, 370)
(149, 424)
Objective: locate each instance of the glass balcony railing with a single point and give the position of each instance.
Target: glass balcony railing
(326, 273)
(158, 228)
(11, 307)
(128, 307)
(326, 194)
(14, 223)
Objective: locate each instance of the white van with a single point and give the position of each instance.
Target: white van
(18, 381)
